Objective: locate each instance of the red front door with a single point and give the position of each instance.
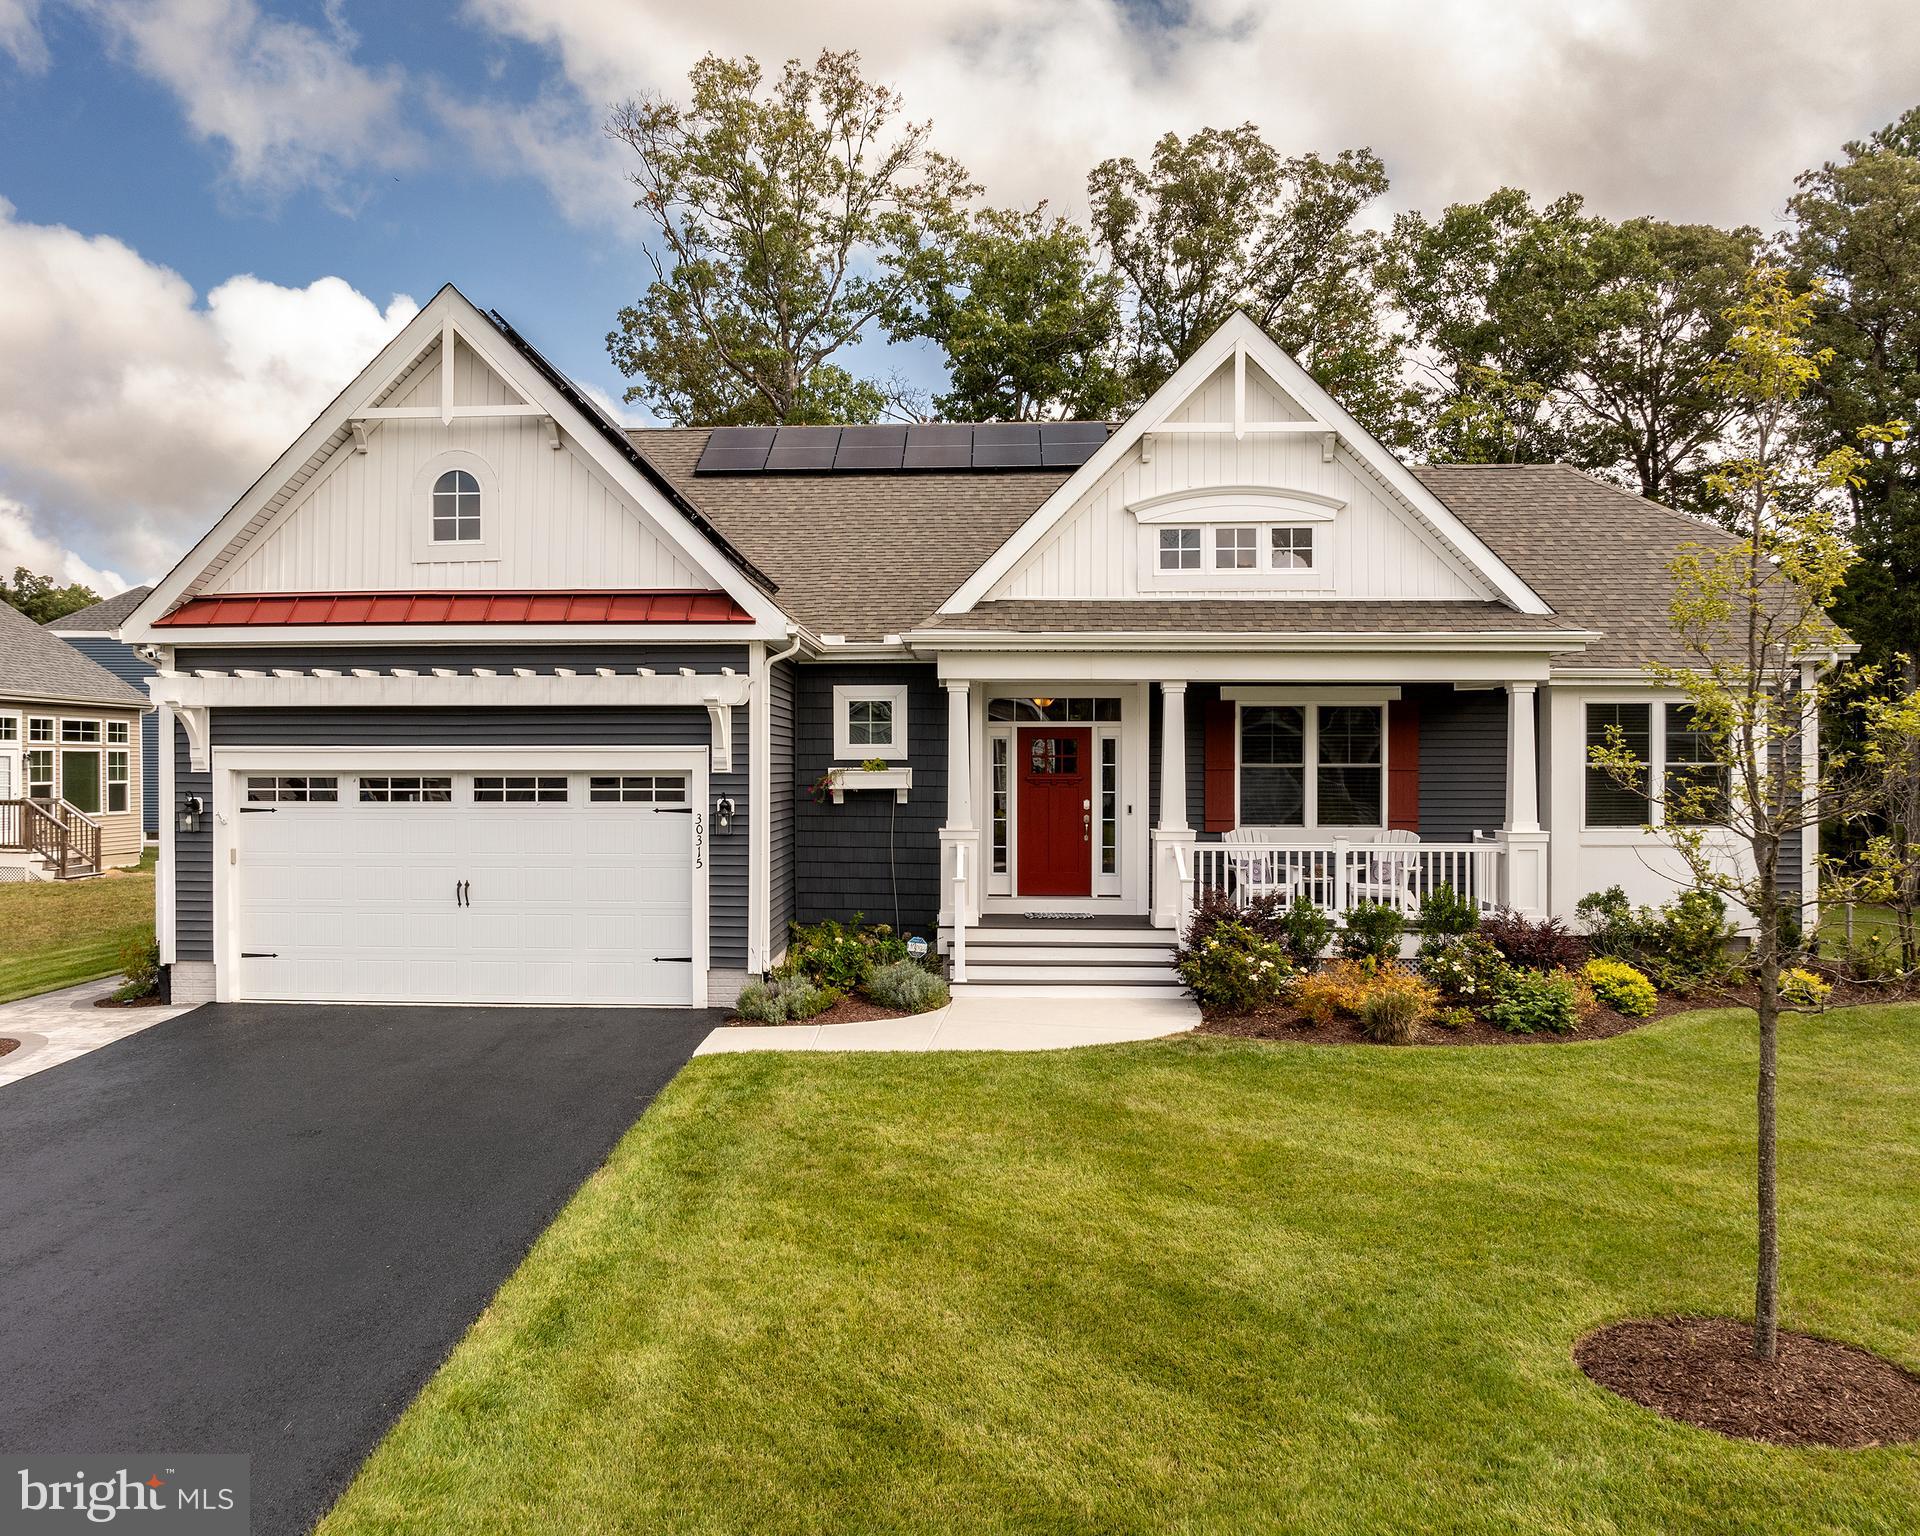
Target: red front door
(1056, 811)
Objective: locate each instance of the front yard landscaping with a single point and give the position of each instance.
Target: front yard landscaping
(56, 933)
(1198, 1285)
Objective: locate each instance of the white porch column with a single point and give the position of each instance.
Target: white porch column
(1172, 837)
(961, 878)
(1526, 845)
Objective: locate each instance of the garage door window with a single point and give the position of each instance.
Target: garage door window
(520, 789)
(409, 789)
(291, 789)
(637, 788)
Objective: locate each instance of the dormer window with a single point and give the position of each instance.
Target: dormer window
(456, 508)
(1179, 549)
(1292, 549)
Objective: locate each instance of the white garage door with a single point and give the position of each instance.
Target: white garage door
(540, 887)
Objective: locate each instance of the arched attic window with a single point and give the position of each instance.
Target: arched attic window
(456, 508)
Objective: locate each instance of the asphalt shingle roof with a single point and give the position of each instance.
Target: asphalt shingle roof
(866, 556)
(102, 617)
(35, 665)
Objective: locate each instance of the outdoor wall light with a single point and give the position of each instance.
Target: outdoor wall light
(191, 810)
(723, 814)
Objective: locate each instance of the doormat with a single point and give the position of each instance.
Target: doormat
(1059, 917)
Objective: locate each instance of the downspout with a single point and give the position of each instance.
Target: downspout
(760, 800)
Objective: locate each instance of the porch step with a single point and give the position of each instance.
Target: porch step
(1078, 959)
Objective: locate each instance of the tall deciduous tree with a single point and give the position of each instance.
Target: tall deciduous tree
(789, 217)
(1857, 231)
(40, 600)
(1029, 324)
(1220, 221)
(1752, 616)
(1657, 328)
(1503, 302)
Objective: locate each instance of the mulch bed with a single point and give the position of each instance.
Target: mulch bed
(8, 1045)
(151, 1000)
(849, 1010)
(1289, 1024)
(1701, 1371)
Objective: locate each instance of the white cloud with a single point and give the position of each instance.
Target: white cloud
(131, 413)
(23, 545)
(20, 34)
(1690, 109)
(290, 103)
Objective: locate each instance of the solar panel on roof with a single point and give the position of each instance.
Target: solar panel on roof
(735, 450)
(938, 446)
(803, 448)
(1069, 444)
(1006, 445)
(871, 448)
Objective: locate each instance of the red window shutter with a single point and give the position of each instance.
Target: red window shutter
(1403, 765)
(1221, 813)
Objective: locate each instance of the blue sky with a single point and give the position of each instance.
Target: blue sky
(212, 212)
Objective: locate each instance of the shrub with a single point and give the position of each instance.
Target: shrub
(140, 964)
(789, 995)
(1546, 945)
(1873, 957)
(1388, 1015)
(1305, 927)
(1341, 989)
(1372, 932)
(1621, 987)
(1452, 1018)
(907, 985)
(1537, 1002)
(841, 956)
(1233, 968)
(1803, 989)
(1445, 911)
(1465, 967)
(1679, 945)
(1264, 915)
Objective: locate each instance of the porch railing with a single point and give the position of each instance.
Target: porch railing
(64, 836)
(1339, 874)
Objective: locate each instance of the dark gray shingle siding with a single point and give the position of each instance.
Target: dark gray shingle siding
(193, 862)
(1463, 762)
(847, 857)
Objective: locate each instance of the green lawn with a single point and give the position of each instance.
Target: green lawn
(1194, 1286)
(56, 933)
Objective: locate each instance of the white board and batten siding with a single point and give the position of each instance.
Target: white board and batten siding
(1379, 548)
(552, 519)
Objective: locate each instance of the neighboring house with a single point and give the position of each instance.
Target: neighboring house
(95, 633)
(477, 696)
(69, 758)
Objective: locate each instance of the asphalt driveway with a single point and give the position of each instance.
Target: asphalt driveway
(259, 1228)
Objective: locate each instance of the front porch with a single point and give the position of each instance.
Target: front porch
(1096, 804)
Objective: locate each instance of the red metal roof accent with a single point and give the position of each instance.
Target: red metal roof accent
(439, 607)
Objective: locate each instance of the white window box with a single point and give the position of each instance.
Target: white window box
(899, 780)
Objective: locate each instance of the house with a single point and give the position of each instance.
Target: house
(70, 775)
(477, 696)
(94, 633)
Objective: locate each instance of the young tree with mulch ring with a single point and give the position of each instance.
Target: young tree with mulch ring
(1751, 615)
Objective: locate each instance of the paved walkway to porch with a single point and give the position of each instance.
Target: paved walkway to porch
(976, 1021)
(59, 1026)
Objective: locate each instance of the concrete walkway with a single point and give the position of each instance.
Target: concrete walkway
(58, 1026)
(975, 1022)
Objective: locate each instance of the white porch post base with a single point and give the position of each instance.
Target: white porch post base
(1172, 896)
(953, 839)
(1524, 872)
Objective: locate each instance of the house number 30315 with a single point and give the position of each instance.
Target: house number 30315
(699, 841)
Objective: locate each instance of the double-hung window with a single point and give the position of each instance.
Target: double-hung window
(37, 767)
(1694, 780)
(1312, 765)
(117, 768)
(1609, 802)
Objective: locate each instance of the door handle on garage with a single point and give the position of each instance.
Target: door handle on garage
(466, 892)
